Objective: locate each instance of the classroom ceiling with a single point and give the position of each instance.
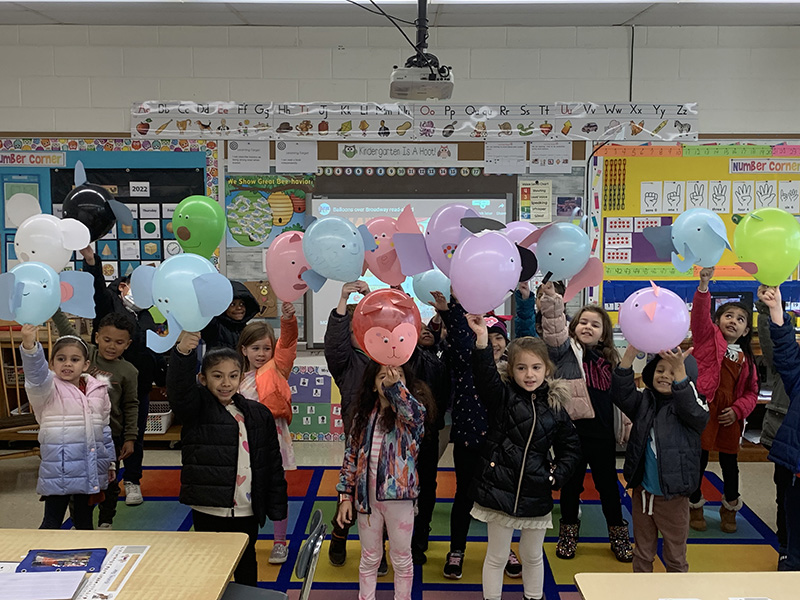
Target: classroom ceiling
(441, 13)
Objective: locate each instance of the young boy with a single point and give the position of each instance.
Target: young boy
(113, 336)
(662, 460)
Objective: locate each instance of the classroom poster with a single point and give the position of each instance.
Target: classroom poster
(535, 198)
(315, 417)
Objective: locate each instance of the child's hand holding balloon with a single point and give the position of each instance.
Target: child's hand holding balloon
(478, 325)
(29, 336)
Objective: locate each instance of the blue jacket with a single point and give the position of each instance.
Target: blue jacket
(785, 449)
(74, 432)
(525, 319)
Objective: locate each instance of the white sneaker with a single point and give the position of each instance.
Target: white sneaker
(133, 494)
(105, 526)
(279, 554)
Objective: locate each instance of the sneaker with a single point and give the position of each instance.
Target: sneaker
(383, 568)
(513, 566)
(133, 494)
(279, 554)
(337, 552)
(453, 565)
(105, 526)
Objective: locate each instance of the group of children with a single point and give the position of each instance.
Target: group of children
(527, 418)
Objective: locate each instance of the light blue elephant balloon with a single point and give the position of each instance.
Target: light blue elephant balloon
(31, 292)
(430, 281)
(334, 248)
(699, 236)
(562, 250)
(186, 289)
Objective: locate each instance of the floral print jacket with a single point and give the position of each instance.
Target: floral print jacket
(397, 463)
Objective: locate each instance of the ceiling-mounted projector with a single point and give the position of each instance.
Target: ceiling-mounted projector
(422, 78)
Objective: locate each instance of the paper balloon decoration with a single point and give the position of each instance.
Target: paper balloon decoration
(767, 243)
(562, 249)
(383, 260)
(285, 265)
(444, 233)
(94, 206)
(430, 281)
(517, 231)
(334, 248)
(484, 270)
(49, 240)
(386, 324)
(699, 236)
(186, 289)
(199, 224)
(32, 292)
(654, 319)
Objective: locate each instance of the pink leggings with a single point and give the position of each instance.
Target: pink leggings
(399, 518)
(280, 528)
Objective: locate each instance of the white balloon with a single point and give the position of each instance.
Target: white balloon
(48, 240)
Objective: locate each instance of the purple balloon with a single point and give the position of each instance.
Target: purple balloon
(517, 231)
(444, 233)
(654, 319)
(484, 270)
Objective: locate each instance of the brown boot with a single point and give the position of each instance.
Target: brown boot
(727, 515)
(697, 520)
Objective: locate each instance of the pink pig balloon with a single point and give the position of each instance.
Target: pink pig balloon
(654, 319)
(284, 264)
(484, 270)
(386, 324)
(444, 233)
(383, 261)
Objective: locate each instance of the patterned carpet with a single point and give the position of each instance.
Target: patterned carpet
(752, 548)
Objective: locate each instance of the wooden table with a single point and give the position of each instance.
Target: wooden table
(702, 586)
(178, 565)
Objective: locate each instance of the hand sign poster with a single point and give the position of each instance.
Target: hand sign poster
(744, 200)
(674, 192)
(719, 196)
(789, 196)
(696, 194)
(651, 197)
(766, 194)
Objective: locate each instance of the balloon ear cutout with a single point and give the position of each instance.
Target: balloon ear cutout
(77, 293)
(413, 254)
(74, 234)
(369, 239)
(661, 240)
(591, 275)
(719, 229)
(685, 263)
(529, 264)
(296, 237)
(80, 174)
(159, 344)
(407, 222)
(121, 212)
(533, 238)
(142, 286)
(478, 224)
(214, 293)
(21, 207)
(406, 302)
(314, 280)
(10, 296)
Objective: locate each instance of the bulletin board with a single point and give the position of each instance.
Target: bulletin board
(316, 404)
(645, 186)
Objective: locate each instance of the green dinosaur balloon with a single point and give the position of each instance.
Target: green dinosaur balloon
(199, 224)
(767, 243)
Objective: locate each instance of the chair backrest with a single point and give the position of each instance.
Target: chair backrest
(308, 556)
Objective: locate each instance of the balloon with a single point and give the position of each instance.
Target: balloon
(484, 270)
(517, 231)
(562, 250)
(654, 319)
(444, 233)
(767, 243)
(430, 281)
(334, 248)
(89, 204)
(40, 294)
(285, 264)
(386, 324)
(49, 240)
(199, 224)
(699, 236)
(383, 261)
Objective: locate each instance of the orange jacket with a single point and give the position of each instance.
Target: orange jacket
(272, 379)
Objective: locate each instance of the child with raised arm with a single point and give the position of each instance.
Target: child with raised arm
(729, 381)
(515, 477)
(72, 409)
(662, 459)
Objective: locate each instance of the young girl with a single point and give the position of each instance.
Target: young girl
(73, 410)
(379, 474)
(515, 477)
(584, 355)
(729, 381)
(232, 475)
(662, 460)
(267, 366)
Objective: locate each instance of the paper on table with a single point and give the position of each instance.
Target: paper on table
(58, 585)
(8, 567)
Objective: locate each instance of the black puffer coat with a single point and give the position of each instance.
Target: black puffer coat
(430, 368)
(515, 468)
(678, 422)
(223, 331)
(210, 452)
